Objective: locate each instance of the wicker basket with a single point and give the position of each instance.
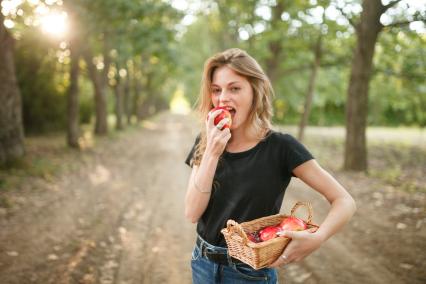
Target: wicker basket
(259, 255)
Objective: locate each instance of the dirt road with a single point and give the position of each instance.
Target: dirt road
(118, 218)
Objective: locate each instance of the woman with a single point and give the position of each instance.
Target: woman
(242, 172)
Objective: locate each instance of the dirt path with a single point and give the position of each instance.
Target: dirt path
(118, 219)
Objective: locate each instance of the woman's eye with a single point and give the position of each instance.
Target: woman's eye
(216, 91)
(235, 89)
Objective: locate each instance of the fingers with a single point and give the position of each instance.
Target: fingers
(212, 116)
(222, 123)
(313, 230)
(287, 234)
(217, 138)
(302, 244)
(281, 260)
(292, 234)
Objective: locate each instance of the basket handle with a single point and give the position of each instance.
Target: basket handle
(234, 227)
(308, 206)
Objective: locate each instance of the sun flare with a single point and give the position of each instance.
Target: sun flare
(55, 24)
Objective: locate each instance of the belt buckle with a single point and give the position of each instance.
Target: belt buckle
(204, 250)
(220, 258)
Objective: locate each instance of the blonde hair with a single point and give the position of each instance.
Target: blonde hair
(244, 65)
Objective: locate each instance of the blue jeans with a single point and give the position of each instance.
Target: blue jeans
(205, 271)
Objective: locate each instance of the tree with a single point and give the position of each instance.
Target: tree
(11, 129)
(367, 32)
(99, 80)
(275, 44)
(73, 130)
(317, 50)
(119, 89)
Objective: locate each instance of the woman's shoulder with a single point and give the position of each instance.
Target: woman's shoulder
(276, 136)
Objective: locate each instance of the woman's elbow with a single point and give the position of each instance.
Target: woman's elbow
(190, 216)
(354, 208)
(347, 202)
(351, 204)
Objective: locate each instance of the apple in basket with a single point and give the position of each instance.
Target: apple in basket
(224, 114)
(293, 224)
(254, 237)
(269, 232)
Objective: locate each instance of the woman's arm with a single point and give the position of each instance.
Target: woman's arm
(199, 188)
(201, 180)
(342, 204)
(342, 208)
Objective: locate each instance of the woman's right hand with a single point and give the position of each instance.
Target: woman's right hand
(216, 138)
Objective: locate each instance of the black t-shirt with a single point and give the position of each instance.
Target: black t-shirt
(250, 184)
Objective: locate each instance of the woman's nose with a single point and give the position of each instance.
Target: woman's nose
(224, 96)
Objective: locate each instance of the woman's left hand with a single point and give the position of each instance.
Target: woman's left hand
(302, 244)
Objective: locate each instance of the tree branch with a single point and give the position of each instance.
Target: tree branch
(408, 76)
(338, 62)
(417, 18)
(353, 24)
(398, 24)
(390, 5)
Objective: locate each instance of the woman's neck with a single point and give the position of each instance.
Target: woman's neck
(242, 139)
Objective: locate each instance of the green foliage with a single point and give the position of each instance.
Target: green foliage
(191, 63)
(86, 101)
(397, 88)
(44, 101)
(142, 37)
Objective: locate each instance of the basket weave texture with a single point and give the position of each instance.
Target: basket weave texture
(260, 255)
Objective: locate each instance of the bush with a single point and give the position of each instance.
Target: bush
(41, 84)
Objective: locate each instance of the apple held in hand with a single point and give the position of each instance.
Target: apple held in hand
(224, 114)
(293, 224)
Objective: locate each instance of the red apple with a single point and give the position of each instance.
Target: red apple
(224, 114)
(292, 224)
(269, 232)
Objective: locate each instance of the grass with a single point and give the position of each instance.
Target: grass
(396, 156)
(48, 156)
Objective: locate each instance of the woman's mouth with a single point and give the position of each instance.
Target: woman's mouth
(232, 111)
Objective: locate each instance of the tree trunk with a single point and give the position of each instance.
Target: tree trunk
(73, 129)
(367, 32)
(311, 87)
(146, 105)
(11, 129)
(118, 90)
(126, 98)
(275, 45)
(137, 97)
(101, 124)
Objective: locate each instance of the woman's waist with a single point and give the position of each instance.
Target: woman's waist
(201, 242)
(214, 253)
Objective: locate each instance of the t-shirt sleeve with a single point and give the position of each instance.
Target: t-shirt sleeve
(295, 154)
(188, 160)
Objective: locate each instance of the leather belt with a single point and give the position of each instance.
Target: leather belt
(218, 257)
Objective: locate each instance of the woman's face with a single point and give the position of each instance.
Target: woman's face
(234, 92)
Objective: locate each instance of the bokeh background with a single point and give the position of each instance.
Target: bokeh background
(96, 109)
